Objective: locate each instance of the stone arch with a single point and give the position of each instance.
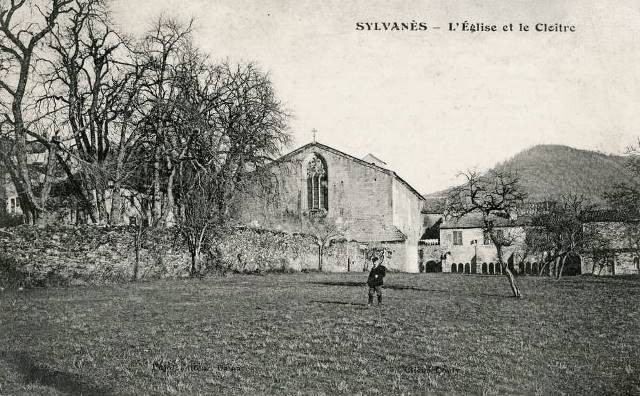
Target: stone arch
(467, 268)
(535, 268)
(432, 266)
(498, 269)
(460, 268)
(491, 269)
(484, 268)
(454, 268)
(572, 265)
(527, 268)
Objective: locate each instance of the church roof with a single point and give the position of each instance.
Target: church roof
(355, 159)
(374, 160)
(383, 233)
(474, 220)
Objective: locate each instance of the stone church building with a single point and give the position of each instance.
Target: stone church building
(370, 205)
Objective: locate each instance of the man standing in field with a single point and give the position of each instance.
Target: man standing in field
(376, 280)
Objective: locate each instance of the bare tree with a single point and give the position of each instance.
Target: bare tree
(625, 198)
(163, 48)
(323, 231)
(87, 79)
(231, 126)
(20, 42)
(200, 219)
(495, 195)
(558, 233)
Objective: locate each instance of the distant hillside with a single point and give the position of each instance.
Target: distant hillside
(551, 170)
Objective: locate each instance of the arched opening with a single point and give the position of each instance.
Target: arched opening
(467, 268)
(432, 266)
(454, 268)
(536, 268)
(491, 269)
(527, 268)
(460, 268)
(474, 268)
(484, 268)
(317, 184)
(498, 269)
(572, 265)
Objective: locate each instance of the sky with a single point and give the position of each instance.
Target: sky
(435, 102)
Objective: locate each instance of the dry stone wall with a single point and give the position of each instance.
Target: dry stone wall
(79, 255)
(66, 255)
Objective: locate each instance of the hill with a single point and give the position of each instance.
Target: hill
(552, 170)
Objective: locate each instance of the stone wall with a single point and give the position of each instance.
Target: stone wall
(407, 217)
(94, 255)
(32, 256)
(430, 255)
(617, 250)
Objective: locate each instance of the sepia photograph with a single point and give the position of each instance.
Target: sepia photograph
(319, 197)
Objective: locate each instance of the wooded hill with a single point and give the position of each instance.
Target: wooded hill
(548, 171)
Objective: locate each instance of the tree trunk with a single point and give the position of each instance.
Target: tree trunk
(507, 272)
(561, 268)
(29, 209)
(556, 266)
(194, 260)
(136, 264)
(101, 205)
(512, 282)
(167, 208)
(49, 175)
(319, 257)
(115, 217)
(543, 267)
(156, 212)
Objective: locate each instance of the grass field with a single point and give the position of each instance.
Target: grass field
(312, 333)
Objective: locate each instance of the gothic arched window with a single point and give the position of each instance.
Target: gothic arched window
(317, 184)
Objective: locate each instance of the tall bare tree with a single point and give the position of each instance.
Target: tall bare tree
(88, 78)
(232, 126)
(495, 195)
(21, 40)
(163, 48)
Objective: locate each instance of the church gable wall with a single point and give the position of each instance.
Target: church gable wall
(360, 195)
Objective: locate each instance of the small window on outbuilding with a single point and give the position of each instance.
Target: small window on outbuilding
(457, 238)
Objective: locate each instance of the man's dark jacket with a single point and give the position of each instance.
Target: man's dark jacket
(373, 281)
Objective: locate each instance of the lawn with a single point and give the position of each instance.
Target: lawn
(312, 333)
